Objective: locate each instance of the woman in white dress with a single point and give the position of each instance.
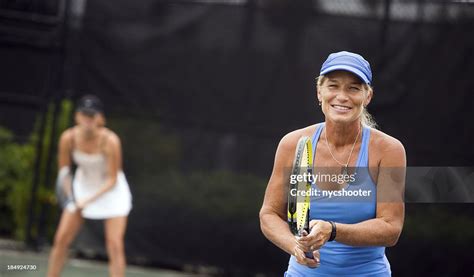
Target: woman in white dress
(100, 189)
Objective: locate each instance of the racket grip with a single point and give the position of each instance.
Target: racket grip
(309, 255)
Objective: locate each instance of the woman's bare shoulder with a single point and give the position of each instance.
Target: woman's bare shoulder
(382, 140)
(291, 139)
(387, 147)
(111, 137)
(67, 134)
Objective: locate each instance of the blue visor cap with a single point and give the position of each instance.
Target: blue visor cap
(348, 61)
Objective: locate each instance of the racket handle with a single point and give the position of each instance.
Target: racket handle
(309, 255)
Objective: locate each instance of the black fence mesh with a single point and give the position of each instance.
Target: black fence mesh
(200, 92)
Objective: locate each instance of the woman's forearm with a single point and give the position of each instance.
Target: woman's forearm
(277, 231)
(109, 184)
(372, 232)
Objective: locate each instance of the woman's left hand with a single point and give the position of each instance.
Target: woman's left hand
(81, 204)
(318, 236)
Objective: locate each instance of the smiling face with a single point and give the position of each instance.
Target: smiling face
(343, 96)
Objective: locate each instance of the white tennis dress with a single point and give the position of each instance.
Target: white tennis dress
(90, 176)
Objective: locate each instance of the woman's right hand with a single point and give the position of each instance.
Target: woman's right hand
(303, 260)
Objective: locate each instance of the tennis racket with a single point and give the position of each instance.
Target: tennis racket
(298, 204)
(64, 191)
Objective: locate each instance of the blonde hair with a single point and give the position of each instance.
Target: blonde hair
(366, 118)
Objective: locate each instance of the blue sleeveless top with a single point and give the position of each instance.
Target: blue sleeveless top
(358, 204)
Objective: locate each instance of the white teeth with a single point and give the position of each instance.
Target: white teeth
(340, 107)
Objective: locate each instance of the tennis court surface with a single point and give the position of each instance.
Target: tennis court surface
(73, 268)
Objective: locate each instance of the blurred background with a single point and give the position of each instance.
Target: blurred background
(200, 92)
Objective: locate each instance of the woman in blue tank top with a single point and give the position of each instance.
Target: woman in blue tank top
(351, 222)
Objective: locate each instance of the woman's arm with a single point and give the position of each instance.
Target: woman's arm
(64, 149)
(385, 228)
(273, 218)
(113, 153)
(64, 165)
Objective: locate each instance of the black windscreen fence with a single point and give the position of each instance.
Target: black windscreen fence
(201, 92)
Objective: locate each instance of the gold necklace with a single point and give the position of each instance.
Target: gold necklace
(344, 166)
